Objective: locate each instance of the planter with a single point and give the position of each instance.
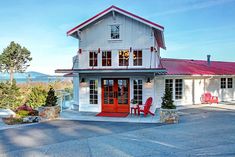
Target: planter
(49, 113)
(169, 116)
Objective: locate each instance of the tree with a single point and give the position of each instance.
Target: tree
(51, 99)
(167, 102)
(10, 96)
(14, 58)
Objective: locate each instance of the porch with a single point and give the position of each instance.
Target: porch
(91, 116)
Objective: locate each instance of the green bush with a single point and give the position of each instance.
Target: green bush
(167, 102)
(23, 113)
(36, 97)
(10, 96)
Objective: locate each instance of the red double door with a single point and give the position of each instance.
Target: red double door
(115, 95)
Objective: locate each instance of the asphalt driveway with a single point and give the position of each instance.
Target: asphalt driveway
(201, 132)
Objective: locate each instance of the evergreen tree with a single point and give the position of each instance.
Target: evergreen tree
(167, 102)
(14, 58)
(51, 99)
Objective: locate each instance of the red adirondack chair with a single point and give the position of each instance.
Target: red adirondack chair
(146, 108)
(207, 98)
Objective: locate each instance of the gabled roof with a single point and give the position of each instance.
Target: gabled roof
(158, 29)
(197, 67)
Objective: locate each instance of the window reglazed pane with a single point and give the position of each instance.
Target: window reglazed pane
(115, 31)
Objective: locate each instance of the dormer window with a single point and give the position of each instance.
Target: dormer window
(115, 32)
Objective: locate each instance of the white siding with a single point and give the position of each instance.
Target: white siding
(133, 34)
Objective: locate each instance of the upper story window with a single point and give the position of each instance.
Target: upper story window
(124, 58)
(93, 59)
(137, 57)
(223, 83)
(115, 32)
(230, 83)
(106, 58)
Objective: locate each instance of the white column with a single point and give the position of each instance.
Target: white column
(76, 87)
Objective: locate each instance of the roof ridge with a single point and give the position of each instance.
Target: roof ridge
(118, 9)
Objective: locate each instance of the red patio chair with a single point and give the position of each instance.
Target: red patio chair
(207, 98)
(146, 108)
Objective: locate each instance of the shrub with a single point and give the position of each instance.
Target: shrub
(22, 113)
(36, 97)
(167, 102)
(10, 96)
(51, 99)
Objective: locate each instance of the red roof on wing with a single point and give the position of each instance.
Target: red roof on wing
(197, 67)
(118, 9)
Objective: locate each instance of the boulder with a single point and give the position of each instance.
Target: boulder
(31, 119)
(49, 113)
(7, 113)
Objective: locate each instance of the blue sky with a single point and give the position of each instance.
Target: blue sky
(193, 28)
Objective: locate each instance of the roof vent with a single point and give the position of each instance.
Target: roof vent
(208, 60)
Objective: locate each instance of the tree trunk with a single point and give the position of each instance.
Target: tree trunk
(11, 75)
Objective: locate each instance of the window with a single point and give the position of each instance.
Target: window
(138, 92)
(106, 58)
(169, 83)
(178, 88)
(115, 31)
(137, 58)
(93, 91)
(124, 58)
(93, 59)
(223, 83)
(230, 82)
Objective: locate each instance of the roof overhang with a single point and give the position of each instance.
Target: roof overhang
(113, 72)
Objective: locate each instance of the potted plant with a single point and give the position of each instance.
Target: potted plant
(168, 112)
(51, 109)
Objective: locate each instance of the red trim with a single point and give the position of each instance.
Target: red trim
(138, 17)
(119, 9)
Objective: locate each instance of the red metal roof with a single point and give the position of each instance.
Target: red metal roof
(109, 9)
(197, 67)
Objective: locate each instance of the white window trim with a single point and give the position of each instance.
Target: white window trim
(173, 92)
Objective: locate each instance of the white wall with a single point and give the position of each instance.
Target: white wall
(133, 34)
(194, 87)
(84, 104)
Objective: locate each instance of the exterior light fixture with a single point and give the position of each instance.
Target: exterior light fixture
(148, 80)
(83, 80)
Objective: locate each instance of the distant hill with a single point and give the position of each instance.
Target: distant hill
(31, 74)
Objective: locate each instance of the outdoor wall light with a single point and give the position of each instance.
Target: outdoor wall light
(82, 80)
(148, 80)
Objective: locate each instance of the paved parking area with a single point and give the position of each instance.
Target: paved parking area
(201, 132)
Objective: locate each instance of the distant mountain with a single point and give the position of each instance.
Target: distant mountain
(31, 74)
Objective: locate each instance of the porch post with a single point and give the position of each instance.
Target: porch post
(76, 87)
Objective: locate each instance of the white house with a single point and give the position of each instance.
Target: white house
(119, 60)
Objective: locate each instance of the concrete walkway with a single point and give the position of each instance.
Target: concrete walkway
(202, 132)
(223, 105)
(91, 116)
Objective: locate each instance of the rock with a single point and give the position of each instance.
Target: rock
(31, 119)
(169, 116)
(49, 113)
(7, 113)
